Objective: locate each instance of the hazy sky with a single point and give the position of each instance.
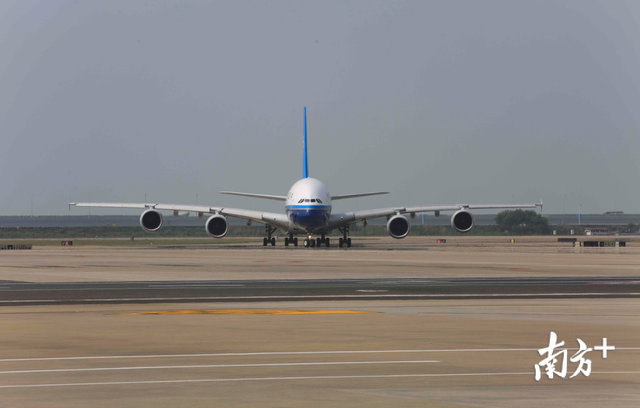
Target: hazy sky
(439, 102)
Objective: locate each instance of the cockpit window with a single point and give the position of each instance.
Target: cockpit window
(313, 200)
(306, 200)
(318, 200)
(301, 200)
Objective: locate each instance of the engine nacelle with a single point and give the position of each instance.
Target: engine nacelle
(217, 226)
(151, 221)
(398, 226)
(462, 221)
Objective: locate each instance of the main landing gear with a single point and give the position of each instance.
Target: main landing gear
(344, 240)
(291, 240)
(269, 239)
(318, 242)
(308, 242)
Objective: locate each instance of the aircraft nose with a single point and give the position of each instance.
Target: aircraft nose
(309, 218)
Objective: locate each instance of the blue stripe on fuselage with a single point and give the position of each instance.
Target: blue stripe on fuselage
(308, 207)
(306, 216)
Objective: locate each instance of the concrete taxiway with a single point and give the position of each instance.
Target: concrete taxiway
(370, 258)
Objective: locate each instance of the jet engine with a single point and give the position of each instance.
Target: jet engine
(462, 221)
(398, 226)
(217, 226)
(151, 221)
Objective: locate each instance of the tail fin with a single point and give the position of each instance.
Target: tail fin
(305, 163)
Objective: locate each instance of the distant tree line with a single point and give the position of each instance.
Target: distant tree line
(523, 222)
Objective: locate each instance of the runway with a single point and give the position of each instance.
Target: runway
(442, 326)
(409, 353)
(23, 293)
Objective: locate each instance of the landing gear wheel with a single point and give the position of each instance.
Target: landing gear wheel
(312, 242)
(319, 242)
(327, 243)
(340, 242)
(306, 243)
(269, 230)
(286, 241)
(345, 240)
(295, 241)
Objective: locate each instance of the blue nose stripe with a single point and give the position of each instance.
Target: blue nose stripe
(309, 217)
(308, 207)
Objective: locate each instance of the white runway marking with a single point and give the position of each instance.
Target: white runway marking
(281, 353)
(215, 366)
(266, 353)
(327, 377)
(205, 298)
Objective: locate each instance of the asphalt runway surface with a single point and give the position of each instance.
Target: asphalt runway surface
(22, 293)
(450, 326)
(409, 353)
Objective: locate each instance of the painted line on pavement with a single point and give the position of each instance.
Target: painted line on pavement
(327, 377)
(434, 296)
(64, 370)
(283, 353)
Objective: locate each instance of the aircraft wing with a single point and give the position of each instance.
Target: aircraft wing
(338, 220)
(266, 196)
(343, 196)
(279, 220)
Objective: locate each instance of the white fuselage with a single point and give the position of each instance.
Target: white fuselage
(308, 204)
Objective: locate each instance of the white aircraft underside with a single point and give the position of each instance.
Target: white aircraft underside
(307, 211)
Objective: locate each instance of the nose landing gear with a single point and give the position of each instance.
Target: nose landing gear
(317, 242)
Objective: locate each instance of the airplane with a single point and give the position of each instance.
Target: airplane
(307, 212)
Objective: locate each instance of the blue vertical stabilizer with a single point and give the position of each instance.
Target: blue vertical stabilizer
(305, 163)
